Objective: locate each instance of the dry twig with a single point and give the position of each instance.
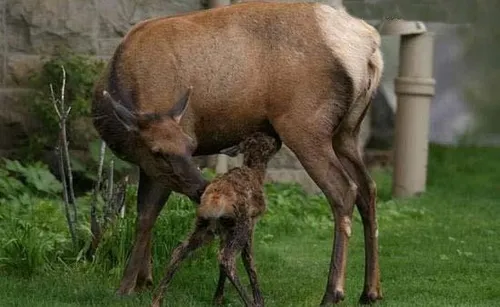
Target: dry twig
(64, 161)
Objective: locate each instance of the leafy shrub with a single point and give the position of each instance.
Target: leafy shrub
(81, 74)
(34, 179)
(33, 231)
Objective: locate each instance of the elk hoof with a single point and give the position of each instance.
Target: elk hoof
(368, 298)
(333, 298)
(157, 302)
(124, 291)
(143, 285)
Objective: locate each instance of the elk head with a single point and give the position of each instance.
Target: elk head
(160, 131)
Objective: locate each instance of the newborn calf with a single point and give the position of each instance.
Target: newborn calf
(229, 208)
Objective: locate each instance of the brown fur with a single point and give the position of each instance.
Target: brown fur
(302, 72)
(230, 208)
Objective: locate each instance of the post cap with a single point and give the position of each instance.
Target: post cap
(401, 27)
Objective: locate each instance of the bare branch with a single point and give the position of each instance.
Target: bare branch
(109, 213)
(109, 198)
(95, 227)
(69, 219)
(64, 160)
(65, 147)
(54, 101)
(63, 87)
(121, 207)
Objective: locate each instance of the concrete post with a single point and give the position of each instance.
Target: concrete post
(414, 88)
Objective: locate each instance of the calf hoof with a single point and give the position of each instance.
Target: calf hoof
(335, 297)
(368, 298)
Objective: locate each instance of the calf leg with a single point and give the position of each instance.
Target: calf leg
(350, 157)
(200, 236)
(227, 259)
(219, 292)
(248, 262)
(151, 198)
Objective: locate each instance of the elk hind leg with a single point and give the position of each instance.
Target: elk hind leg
(347, 148)
(313, 148)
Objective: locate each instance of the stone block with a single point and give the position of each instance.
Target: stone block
(44, 26)
(107, 46)
(116, 17)
(333, 3)
(19, 67)
(3, 65)
(15, 121)
(356, 8)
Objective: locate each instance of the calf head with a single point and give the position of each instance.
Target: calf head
(160, 131)
(258, 148)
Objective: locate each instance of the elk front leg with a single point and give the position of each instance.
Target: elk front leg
(249, 264)
(151, 198)
(200, 236)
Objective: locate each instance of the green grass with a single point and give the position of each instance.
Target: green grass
(441, 249)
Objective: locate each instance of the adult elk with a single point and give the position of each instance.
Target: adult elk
(302, 72)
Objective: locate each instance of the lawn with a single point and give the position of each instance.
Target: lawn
(440, 249)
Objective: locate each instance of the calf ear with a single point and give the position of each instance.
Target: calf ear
(180, 107)
(232, 151)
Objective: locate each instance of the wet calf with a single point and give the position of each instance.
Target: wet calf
(230, 208)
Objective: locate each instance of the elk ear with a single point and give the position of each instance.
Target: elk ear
(232, 151)
(180, 107)
(122, 114)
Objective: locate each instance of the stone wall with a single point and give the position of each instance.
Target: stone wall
(31, 29)
(448, 11)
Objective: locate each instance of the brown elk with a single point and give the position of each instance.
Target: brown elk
(302, 72)
(230, 207)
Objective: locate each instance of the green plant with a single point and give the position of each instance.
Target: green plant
(81, 75)
(82, 72)
(17, 179)
(33, 232)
